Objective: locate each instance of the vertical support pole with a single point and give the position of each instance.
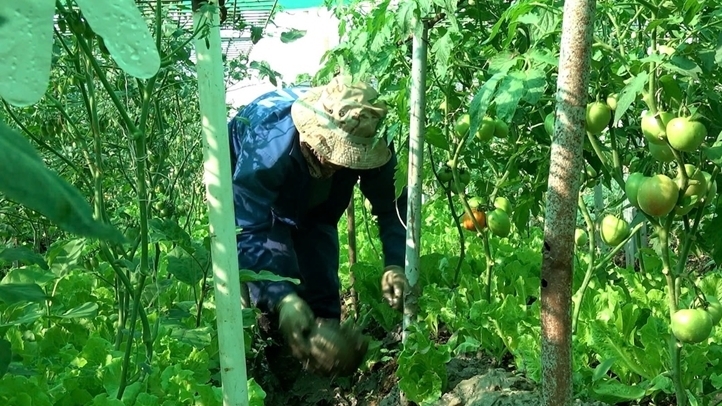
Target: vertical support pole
(351, 230)
(217, 178)
(415, 170)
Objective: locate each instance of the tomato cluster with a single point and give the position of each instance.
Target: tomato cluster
(497, 220)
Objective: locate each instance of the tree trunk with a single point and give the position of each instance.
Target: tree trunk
(564, 184)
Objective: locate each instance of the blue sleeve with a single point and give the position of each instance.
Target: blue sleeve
(264, 243)
(379, 188)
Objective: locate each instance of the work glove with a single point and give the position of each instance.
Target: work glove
(393, 285)
(295, 320)
(334, 349)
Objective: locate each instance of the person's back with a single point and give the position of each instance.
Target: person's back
(297, 154)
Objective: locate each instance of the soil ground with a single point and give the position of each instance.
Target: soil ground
(472, 381)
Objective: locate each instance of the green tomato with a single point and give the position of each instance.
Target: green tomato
(498, 222)
(580, 237)
(503, 204)
(501, 129)
(685, 135)
(598, 116)
(462, 125)
(549, 121)
(486, 130)
(613, 230)
(691, 326)
(631, 187)
(714, 309)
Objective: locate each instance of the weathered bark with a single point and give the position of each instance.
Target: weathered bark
(564, 184)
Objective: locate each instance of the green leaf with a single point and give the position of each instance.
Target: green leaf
(502, 62)
(188, 267)
(405, 15)
(671, 88)
(198, 337)
(536, 84)
(718, 50)
(712, 236)
(12, 293)
(629, 94)
(165, 230)
(31, 274)
(6, 355)
(435, 137)
(256, 394)
(685, 66)
(508, 95)
(256, 34)
(292, 35)
(251, 276)
(714, 153)
(442, 51)
(614, 392)
(29, 182)
(481, 101)
(23, 255)
(85, 310)
(542, 56)
(601, 370)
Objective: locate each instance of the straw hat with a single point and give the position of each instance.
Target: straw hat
(340, 121)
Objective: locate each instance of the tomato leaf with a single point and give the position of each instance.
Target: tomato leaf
(629, 94)
(714, 153)
(442, 51)
(435, 137)
(405, 15)
(292, 35)
(671, 88)
(188, 267)
(684, 66)
(508, 95)
(481, 101)
(29, 182)
(712, 237)
(718, 50)
(536, 84)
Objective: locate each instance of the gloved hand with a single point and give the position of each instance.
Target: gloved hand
(295, 320)
(335, 350)
(393, 285)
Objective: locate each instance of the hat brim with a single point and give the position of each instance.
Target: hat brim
(334, 144)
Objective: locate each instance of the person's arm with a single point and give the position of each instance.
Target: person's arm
(264, 243)
(378, 187)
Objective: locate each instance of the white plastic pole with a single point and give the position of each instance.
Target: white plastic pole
(415, 172)
(217, 178)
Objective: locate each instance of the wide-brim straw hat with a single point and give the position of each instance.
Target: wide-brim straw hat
(340, 122)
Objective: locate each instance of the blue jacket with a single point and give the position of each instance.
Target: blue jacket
(276, 199)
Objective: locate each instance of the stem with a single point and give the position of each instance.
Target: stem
(141, 156)
(590, 267)
(674, 347)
